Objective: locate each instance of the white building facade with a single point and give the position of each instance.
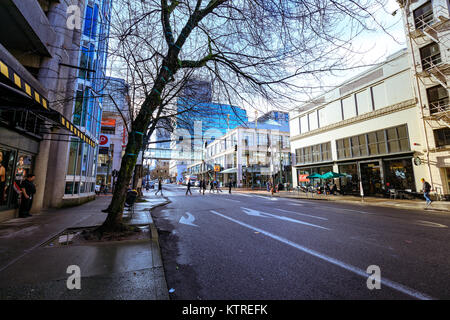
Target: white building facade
(247, 156)
(368, 129)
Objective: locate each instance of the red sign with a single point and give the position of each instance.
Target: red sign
(108, 122)
(302, 178)
(103, 140)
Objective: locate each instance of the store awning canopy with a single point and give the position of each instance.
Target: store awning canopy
(332, 175)
(19, 90)
(231, 170)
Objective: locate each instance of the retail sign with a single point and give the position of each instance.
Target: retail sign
(216, 168)
(104, 141)
(107, 122)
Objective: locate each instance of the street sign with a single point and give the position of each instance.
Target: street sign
(216, 168)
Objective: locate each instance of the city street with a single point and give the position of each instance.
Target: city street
(241, 246)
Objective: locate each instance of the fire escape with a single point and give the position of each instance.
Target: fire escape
(435, 27)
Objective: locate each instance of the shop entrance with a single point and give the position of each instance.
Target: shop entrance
(371, 177)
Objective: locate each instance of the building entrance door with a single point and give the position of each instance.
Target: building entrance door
(371, 177)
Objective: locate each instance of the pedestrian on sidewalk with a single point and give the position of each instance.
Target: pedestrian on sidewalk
(189, 187)
(28, 190)
(426, 188)
(229, 186)
(200, 186)
(211, 185)
(159, 187)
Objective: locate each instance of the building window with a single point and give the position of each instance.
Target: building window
(442, 137)
(359, 146)
(423, 16)
(437, 99)
(343, 148)
(430, 56)
(316, 153)
(88, 21)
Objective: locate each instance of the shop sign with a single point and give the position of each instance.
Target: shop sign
(104, 140)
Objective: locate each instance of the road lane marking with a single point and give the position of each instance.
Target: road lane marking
(189, 220)
(258, 213)
(391, 284)
(301, 214)
(430, 224)
(337, 208)
(232, 200)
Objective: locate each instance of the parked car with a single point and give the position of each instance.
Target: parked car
(151, 185)
(197, 184)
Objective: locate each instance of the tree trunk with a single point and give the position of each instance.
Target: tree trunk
(115, 209)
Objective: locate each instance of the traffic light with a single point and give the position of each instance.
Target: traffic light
(235, 147)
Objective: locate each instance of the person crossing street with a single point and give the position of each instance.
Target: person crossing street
(159, 187)
(189, 187)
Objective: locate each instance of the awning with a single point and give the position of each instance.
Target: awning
(21, 92)
(231, 170)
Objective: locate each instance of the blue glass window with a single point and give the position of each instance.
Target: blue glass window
(88, 21)
(91, 59)
(84, 62)
(94, 24)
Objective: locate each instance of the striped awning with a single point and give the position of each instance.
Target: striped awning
(13, 78)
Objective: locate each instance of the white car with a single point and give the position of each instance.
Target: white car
(197, 184)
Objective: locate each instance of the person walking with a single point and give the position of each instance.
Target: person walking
(229, 186)
(200, 186)
(426, 188)
(211, 185)
(159, 187)
(217, 185)
(28, 190)
(189, 187)
(204, 186)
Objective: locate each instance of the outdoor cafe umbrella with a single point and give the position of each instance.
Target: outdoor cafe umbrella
(332, 175)
(315, 176)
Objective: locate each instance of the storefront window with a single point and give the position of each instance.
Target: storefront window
(69, 188)
(72, 157)
(399, 174)
(6, 172)
(349, 183)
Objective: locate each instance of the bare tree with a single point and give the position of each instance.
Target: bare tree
(247, 49)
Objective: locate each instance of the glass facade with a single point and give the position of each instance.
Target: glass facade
(87, 111)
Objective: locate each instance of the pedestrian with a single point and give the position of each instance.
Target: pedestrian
(189, 187)
(217, 185)
(28, 190)
(229, 186)
(159, 187)
(204, 186)
(211, 184)
(426, 188)
(200, 186)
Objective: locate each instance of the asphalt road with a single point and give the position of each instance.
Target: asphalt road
(240, 246)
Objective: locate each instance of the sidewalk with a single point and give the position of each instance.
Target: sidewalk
(443, 206)
(30, 269)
